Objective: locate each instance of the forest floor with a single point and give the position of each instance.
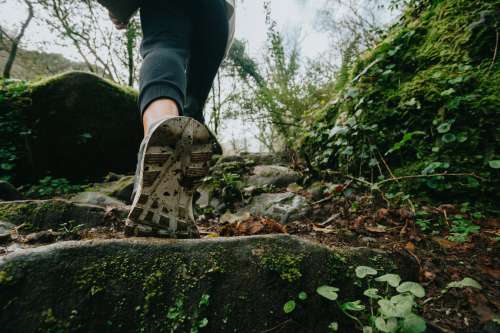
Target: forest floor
(354, 219)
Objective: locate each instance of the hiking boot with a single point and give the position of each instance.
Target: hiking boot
(172, 162)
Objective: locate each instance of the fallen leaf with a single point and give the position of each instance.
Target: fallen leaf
(410, 247)
(379, 229)
(382, 214)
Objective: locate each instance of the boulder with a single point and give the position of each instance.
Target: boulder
(5, 231)
(38, 215)
(75, 125)
(220, 285)
(119, 187)
(274, 175)
(283, 207)
(8, 192)
(97, 199)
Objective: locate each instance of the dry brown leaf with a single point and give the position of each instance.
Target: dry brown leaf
(410, 247)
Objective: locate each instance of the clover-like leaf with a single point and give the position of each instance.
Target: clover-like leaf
(412, 287)
(372, 293)
(413, 324)
(303, 296)
(494, 164)
(328, 292)
(465, 283)
(392, 279)
(289, 306)
(353, 306)
(364, 271)
(388, 326)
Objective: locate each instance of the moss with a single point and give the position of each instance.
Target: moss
(285, 264)
(5, 278)
(433, 69)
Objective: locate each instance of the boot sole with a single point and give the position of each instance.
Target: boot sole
(175, 161)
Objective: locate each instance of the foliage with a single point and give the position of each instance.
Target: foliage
(423, 103)
(394, 310)
(49, 187)
(13, 95)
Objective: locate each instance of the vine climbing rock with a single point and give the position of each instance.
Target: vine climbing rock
(75, 125)
(222, 285)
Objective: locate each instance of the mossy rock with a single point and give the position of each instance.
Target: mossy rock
(37, 215)
(222, 285)
(75, 125)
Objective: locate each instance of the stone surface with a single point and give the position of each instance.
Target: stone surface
(97, 199)
(231, 285)
(283, 207)
(8, 192)
(5, 231)
(274, 175)
(81, 127)
(39, 215)
(119, 187)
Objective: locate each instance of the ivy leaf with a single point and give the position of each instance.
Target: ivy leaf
(364, 271)
(413, 324)
(444, 128)
(388, 326)
(353, 306)
(302, 296)
(465, 283)
(289, 306)
(390, 309)
(372, 293)
(392, 279)
(328, 292)
(449, 138)
(412, 287)
(495, 164)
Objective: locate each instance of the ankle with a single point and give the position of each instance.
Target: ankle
(157, 111)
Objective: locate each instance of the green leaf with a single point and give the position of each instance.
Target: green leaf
(448, 92)
(367, 329)
(444, 128)
(364, 271)
(412, 287)
(334, 326)
(398, 308)
(372, 293)
(413, 324)
(203, 323)
(388, 326)
(328, 292)
(449, 138)
(465, 283)
(495, 164)
(353, 306)
(302, 296)
(392, 279)
(289, 306)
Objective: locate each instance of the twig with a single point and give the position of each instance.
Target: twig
(277, 326)
(386, 165)
(444, 174)
(494, 55)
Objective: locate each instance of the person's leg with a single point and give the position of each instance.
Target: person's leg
(209, 42)
(167, 29)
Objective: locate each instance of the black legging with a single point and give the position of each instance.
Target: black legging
(183, 47)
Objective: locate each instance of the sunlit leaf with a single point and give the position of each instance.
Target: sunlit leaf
(328, 292)
(465, 283)
(372, 293)
(364, 271)
(353, 306)
(412, 287)
(392, 279)
(388, 326)
(413, 324)
(289, 306)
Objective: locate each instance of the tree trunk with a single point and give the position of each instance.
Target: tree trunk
(15, 42)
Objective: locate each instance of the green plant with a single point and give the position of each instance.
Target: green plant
(394, 310)
(290, 306)
(70, 228)
(461, 229)
(49, 187)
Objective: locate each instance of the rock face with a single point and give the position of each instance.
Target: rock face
(8, 192)
(46, 214)
(274, 175)
(75, 126)
(283, 207)
(233, 285)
